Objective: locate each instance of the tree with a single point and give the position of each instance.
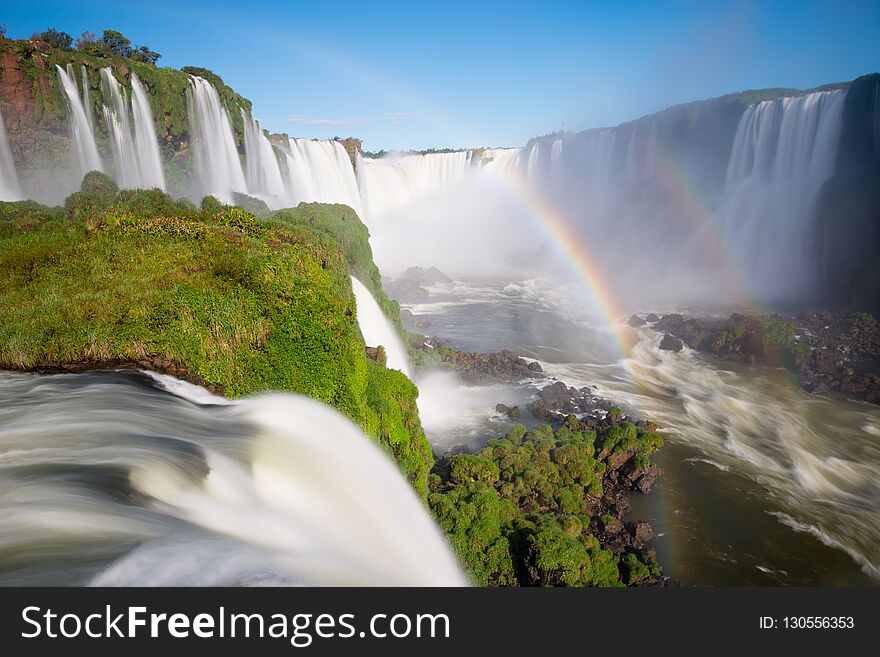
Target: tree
(116, 44)
(2, 31)
(56, 39)
(88, 43)
(145, 55)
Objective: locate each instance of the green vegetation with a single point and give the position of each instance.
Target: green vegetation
(243, 304)
(341, 224)
(518, 512)
(866, 319)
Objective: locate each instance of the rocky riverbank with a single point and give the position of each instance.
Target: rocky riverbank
(553, 499)
(831, 352)
(475, 368)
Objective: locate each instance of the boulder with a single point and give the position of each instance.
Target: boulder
(635, 321)
(651, 318)
(670, 343)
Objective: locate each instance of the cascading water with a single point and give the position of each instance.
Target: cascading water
(146, 142)
(321, 171)
(392, 182)
(783, 151)
(217, 163)
(86, 96)
(377, 330)
(263, 172)
(82, 136)
(167, 484)
(9, 187)
(118, 122)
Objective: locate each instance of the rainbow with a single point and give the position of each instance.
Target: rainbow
(696, 215)
(577, 255)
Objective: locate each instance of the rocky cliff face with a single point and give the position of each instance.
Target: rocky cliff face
(34, 113)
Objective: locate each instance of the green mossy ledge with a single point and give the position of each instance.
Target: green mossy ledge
(233, 302)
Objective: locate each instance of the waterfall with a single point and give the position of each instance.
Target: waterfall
(390, 183)
(377, 330)
(9, 188)
(321, 171)
(783, 151)
(262, 170)
(87, 100)
(169, 485)
(118, 122)
(82, 137)
(132, 133)
(146, 142)
(217, 164)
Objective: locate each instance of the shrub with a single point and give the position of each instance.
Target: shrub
(97, 192)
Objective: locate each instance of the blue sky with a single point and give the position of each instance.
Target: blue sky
(419, 74)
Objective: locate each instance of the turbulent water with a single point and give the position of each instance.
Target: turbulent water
(119, 478)
(762, 483)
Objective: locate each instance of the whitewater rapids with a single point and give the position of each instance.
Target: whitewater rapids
(129, 479)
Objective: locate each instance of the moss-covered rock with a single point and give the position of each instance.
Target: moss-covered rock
(527, 509)
(225, 299)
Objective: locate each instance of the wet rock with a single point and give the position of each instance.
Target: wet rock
(512, 412)
(423, 324)
(455, 450)
(421, 276)
(376, 353)
(406, 291)
(558, 400)
(611, 525)
(651, 318)
(670, 343)
(635, 321)
(503, 366)
(641, 532)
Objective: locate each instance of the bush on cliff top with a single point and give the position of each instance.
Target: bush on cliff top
(243, 304)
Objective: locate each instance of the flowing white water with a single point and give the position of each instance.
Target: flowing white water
(377, 330)
(9, 187)
(118, 121)
(132, 133)
(263, 172)
(87, 99)
(783, 151)
(389, 183)
(186, 489)
(217, 164)
(321, 171)
(82, 136)
(146, 142)
(812, 456)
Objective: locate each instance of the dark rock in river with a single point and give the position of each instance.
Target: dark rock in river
(406, 291)
(512, 412)
(558, 400)
(421, 276)
(670, 343)
(503, 366)
(635, 321)
(651, 318)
